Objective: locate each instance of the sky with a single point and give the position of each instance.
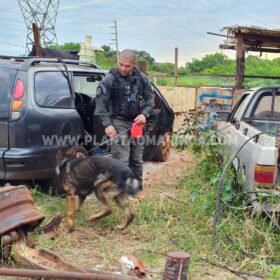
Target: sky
(156, 26)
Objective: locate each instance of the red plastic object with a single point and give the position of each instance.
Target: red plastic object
(136, 130)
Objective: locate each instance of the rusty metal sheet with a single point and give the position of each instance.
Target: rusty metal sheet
(17, 209)
(51, 228)
(41, 258)
(51, 266)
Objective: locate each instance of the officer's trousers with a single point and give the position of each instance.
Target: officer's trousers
(127, 149)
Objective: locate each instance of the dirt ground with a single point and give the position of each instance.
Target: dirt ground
(157, 173)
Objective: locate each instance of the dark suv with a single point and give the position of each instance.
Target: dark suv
(47, 105)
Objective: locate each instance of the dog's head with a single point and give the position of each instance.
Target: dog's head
(63, 158)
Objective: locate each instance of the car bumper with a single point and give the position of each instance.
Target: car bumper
(27, 164)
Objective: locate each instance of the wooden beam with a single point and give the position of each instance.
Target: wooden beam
(37, 45)
(240, 61)
(268, 50)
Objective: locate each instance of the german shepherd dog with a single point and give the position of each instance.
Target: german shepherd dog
(108, 178)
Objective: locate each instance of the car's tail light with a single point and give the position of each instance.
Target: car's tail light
(19, 90)
(264, 174)
(17, 102)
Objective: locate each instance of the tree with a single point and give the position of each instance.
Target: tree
(108, 51)
(105, 61)
(143, 55)
(208, 61)
(165, 67)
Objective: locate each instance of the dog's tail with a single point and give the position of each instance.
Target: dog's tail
(132, 186)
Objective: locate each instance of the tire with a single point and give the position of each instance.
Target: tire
(161, 151)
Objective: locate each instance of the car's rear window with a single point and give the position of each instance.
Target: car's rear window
(52, 90)
(267, 107)
(7, 80)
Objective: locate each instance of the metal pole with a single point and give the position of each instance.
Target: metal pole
(117, 43)
(116, 39)
(62, 274)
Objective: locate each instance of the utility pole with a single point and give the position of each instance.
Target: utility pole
(176, 67)
(43, 13)
(116, 39)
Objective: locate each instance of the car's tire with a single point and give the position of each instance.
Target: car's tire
(161, 151)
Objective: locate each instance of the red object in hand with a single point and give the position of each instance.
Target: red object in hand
(136, 130)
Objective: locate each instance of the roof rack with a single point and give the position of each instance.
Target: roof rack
(34, 60)
(16, 58)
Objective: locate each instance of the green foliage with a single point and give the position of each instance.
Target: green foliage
(105, 61)
(70, 46)
(165, 67)
(199, 140)
(144, 56)
(208, 61)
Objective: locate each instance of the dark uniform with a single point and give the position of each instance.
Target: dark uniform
(118, 101)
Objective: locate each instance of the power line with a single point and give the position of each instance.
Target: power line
(176, 41)
(12, 20)
(189, 12)
(237, 13)
(171, 23)
(11, 44)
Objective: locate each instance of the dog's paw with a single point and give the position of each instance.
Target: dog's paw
(71, 229)
(127, 223)
(136, 198)
(120, 227)
(92, 218)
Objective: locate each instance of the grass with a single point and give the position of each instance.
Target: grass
(211, 81)
(163, 224)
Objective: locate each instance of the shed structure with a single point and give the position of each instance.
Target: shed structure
(254, 39)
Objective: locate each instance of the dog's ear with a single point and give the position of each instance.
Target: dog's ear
(61, 164)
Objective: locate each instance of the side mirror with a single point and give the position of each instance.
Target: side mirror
(223, 116)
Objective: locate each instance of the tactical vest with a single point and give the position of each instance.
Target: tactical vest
(128, 94)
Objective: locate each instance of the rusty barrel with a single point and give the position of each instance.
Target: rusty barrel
(17, 210)
(176, 265)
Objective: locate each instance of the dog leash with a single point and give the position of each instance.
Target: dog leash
(109, 140)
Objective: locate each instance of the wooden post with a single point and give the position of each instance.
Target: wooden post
(176, 67)
(142, 66)
(37, 45)
(240, 61)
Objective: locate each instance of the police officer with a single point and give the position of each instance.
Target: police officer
(124, 96)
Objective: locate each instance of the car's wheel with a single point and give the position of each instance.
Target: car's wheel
(162, 150)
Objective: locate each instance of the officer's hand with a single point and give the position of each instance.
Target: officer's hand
(140, 119)
(110, 131)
